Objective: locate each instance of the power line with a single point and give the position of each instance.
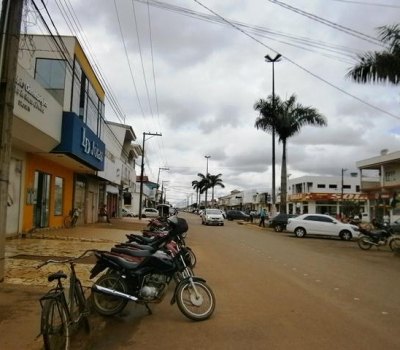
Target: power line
(339, 27)
(369, 3)
(301, 67)
(298, 41)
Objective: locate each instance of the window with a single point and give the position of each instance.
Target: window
(321, 186)
(348, 187)
(332, 186)
(58, 195)
(50, 73)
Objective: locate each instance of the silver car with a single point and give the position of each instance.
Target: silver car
(212, 217)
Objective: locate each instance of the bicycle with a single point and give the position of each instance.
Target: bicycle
(72, 218)
(63, 311)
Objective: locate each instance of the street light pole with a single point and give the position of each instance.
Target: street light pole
(158, 179)
(142, 171)
(341, 195)
(207, 157)
(273, 60)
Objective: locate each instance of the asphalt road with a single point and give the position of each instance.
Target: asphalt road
(273, 291)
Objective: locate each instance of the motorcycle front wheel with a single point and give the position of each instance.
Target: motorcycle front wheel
(196, 302)
(394, 244)
(364, 243)
(108, 305)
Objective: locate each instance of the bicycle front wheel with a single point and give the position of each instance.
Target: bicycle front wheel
(55, 327)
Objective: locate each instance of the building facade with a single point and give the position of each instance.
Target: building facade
(325, 195)
(59, 157)
(380, 181)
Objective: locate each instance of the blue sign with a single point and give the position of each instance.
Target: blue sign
(81, 142)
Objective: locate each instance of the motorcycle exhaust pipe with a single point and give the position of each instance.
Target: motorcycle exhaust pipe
(108, 291)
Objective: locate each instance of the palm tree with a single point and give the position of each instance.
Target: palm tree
(215, 180)
(196, 186)
(381, 66)
(203, 185)
(290, 117)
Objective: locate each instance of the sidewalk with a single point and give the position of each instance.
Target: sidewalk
(24, 284)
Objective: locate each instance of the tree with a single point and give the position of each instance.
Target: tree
(380, 67)
(290, 117)
(196, 186)
(215, 180)
(203, 184)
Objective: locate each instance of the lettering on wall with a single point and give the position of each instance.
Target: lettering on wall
(91, 147)
(28, 97)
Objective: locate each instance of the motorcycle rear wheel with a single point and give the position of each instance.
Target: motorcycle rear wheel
(364, 243)
(108, 305)
(196, 307)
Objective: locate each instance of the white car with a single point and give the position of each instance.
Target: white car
(127, 212)
(320, 224)
(212, 217)
(150, 213)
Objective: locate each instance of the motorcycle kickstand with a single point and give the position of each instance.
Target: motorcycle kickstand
(148, 309)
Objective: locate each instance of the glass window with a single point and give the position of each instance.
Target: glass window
(321, 186)
(58, 195)
(50, 73)
(332, 186)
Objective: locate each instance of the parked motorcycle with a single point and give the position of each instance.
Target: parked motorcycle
(156, 240)
(380, 237)
(143, 276)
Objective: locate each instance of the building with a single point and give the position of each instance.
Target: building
(380, 181)
(325, 194)
(59, 157)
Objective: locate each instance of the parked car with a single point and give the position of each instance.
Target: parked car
(279, 222)
(212, 217)
(237, 215)
(321, 224)
(150, 213)
(126, 212)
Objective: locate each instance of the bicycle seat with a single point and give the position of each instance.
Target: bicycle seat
(56, 276)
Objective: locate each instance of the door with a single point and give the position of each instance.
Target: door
(42, 199)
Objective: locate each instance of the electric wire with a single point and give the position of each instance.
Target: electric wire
(305, 43)
(369, 3)
(336, 26)
(301, 67)
(128, 61)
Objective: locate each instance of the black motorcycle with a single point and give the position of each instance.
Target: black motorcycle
(379, 237)
(143, 274)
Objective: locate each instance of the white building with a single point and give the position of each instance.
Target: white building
(325, 194)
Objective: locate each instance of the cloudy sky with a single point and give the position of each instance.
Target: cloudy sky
(192, 71)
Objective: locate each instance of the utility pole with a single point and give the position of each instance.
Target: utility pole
(142, 171)
(10, 24)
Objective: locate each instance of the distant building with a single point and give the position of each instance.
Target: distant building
(324, 194)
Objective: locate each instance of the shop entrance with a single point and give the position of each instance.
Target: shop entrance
(42, 202)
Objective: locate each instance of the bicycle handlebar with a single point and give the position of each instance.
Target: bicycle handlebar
(65, 260)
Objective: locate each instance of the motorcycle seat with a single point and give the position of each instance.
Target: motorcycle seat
(125, 261)
(132, 251)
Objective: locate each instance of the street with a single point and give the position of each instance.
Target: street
(272, 290)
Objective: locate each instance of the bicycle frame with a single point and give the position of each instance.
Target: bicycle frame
(70, 303)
